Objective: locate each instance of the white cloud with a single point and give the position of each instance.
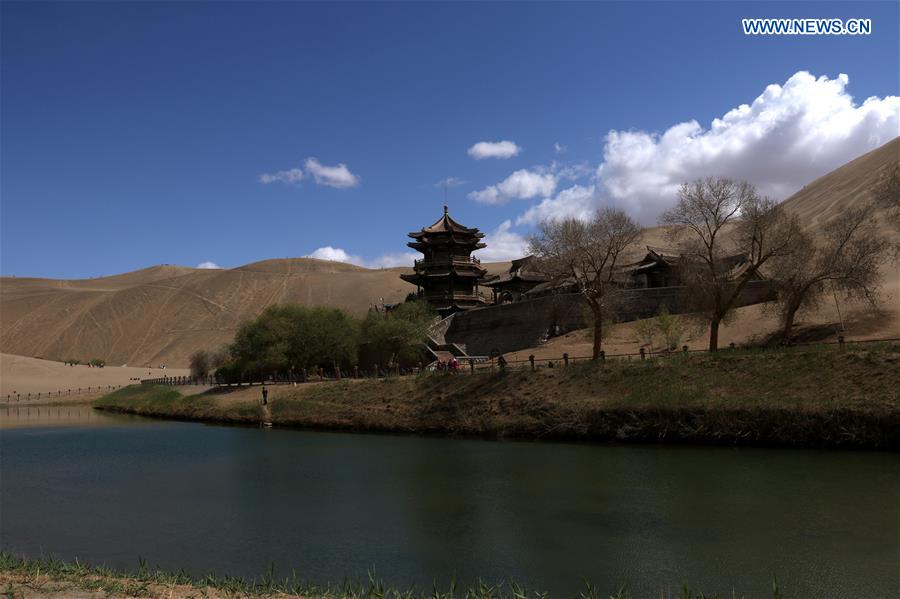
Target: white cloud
(522, 184)
(503, 244)
(787, 137)
(388, 260)
(335, 255)
(574, 202)
(293, 175)
(571, 171)
(333, 176)
(449, 182)
(391, 260)
(208, 265)
(560, 148)
(494, 149)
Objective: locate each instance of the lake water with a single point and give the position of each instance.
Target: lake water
(330, 506)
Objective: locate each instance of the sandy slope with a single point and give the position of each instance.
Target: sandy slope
(22, 375)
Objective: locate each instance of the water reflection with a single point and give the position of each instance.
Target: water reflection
(331, 506)
(58, 415)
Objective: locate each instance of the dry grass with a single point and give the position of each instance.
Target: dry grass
(50, 578)
(820, 396)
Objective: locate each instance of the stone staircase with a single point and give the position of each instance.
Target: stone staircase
(444, 351)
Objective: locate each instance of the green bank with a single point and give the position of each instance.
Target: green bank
(804, 397)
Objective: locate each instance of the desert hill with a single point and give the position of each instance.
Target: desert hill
(160, 315)
(849, 185)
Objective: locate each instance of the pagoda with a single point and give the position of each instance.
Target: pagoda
(447, 276)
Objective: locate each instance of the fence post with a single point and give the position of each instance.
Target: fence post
(684, 348)
(566, 360)
(643, 354)
(531, 359)
(841, 341)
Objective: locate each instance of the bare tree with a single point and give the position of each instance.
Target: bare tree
(846, 257)
(586, 254)
(725, 233)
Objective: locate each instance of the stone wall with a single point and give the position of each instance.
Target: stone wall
(511, 327)
(518, 325)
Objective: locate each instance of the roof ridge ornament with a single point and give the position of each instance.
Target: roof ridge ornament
(445, 208)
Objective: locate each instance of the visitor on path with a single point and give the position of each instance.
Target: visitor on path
(501, 362)
(265, 393)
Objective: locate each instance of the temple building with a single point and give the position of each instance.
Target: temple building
(521, 278)
(659, 268)
(664, 268)
(447, 276)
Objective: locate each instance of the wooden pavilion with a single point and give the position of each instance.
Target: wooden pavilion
(447, 276)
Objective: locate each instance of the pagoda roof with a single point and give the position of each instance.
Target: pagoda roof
(445, 224)
(519, 270)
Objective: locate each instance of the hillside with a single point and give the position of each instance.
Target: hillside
(849, 185)
(159, 315)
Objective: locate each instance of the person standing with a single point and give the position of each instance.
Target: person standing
(265, 394)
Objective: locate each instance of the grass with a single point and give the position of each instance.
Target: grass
(822, 396)
(50, 577)
(157, 400)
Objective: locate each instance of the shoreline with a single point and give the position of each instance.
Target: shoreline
(647, 431)
(832, 399)
(51, 578)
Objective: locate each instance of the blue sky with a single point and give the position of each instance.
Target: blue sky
(135, 133)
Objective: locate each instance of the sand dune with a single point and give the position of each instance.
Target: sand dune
(160, 315)
(22, 375)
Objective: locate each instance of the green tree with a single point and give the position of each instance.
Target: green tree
(201, 363)
(397, 337)
(293, 338)
(646, 332)
(664, 328)
(671, 328)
